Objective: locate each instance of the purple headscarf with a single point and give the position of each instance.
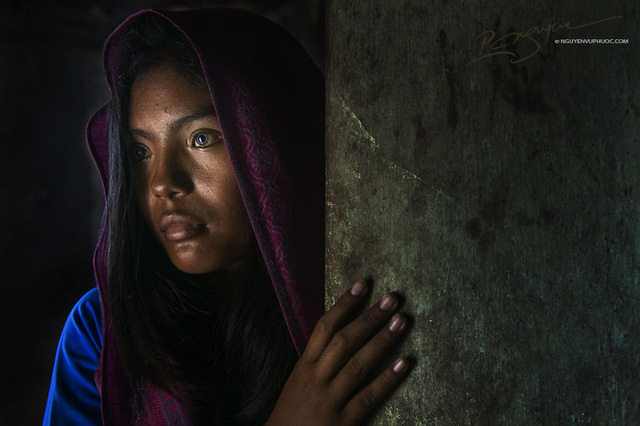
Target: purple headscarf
(269, 98)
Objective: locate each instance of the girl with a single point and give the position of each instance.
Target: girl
(210, 268)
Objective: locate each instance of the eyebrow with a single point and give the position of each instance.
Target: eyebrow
(178, 123)
(183, 121)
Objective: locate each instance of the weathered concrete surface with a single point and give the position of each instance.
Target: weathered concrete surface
(501, 199)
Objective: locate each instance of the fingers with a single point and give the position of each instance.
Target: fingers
(340, 355)
(374, 393)
(361, 364)
(333, 320)
(349, 339)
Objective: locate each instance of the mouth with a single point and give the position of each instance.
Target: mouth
(179, 227)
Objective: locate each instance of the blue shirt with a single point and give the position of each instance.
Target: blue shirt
(73, 396)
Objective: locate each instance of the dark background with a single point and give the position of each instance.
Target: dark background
(51, 201)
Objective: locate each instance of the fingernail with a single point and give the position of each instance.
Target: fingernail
(358, 288)
(387, 302)
(400, 366)
(396, 323)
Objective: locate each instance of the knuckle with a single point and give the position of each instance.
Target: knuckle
(387, 380)
(371, 317)
(354, 369)
(303, 367)
(323, 326)
(367, 399)
(343, 303)
(382, 339)
(340, 340)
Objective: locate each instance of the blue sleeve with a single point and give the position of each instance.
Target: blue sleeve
(73, 396)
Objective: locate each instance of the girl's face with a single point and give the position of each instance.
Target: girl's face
(184, 184)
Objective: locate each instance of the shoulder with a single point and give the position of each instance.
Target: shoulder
(73, 395)
(85, 321)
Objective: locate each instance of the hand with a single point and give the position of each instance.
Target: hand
(323, 386)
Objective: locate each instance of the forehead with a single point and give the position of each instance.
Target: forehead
(163, 91)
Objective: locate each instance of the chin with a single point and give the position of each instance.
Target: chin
(198, 260)
(195, 266)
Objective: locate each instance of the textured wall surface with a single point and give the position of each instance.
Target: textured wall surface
(499, 195)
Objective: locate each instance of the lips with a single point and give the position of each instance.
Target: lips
(179, 227)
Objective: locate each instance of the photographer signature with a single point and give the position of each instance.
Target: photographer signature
(490, 46)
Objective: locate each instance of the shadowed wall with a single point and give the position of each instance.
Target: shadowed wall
(499, 195)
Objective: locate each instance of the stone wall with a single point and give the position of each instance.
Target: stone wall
(499, 195)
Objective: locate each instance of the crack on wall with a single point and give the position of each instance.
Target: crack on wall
(356, 126)
(360, 134)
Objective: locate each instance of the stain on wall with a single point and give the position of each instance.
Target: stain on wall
(499, 195)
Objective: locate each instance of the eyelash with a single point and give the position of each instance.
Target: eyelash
(133, 149)
(215, 137)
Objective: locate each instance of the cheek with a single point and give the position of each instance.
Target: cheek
(232, 206)
(235, 204)
(218, 182)
(240, 219)
(141, 198)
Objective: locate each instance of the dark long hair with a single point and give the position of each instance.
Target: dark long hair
(222, 350)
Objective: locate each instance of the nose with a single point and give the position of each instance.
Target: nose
(170, 176)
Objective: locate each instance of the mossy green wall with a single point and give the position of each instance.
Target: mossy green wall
(501, 199)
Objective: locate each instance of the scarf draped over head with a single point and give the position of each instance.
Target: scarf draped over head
(269, 99)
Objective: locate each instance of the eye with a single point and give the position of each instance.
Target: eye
(204, 139)
(201, 139)
(139, 152)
